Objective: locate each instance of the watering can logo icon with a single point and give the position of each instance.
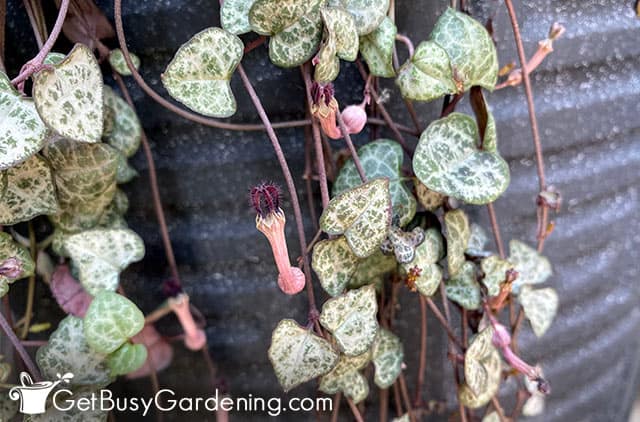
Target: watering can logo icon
(33, 396)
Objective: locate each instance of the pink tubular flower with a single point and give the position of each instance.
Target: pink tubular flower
(194, 339)
(270, 220)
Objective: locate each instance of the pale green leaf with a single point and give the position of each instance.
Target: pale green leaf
(429, 199)
(199, 73)
(362, 214)
(482, 370)
(9, 249)
(124, 173)
(351, 318)
(128, 358)
(477, 241)
(458, 233)
(85, 178)
(463, 288)
(298, 355)
(346, 378)
(110, 321)
(68, 96)
(334, 263)
(68, 351)
(22, 133)
(427, 75)
(540, 307)
(377, 49)
(495, 273)
(448, 161)
(340, 25)
(124, 128)
(535, 404)
(428, 253)
(29, 192)
(328, 64)
(234, 16)
(491, 417)
(113, 216)
(532, 267)
(100, 254)
(403, 244)
(368, 14)
(53, 58)
(118, 63)
(387, 355)
(372, 269)
(381, 158)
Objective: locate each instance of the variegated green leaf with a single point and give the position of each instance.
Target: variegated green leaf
(125, 131)
(118, 63)
(387, 355)
(334, 263)
(540, 307)
(112, 218)
(346, 378)
(470, 48)
(377, 49)
(477, 241)
(351, 318)
(295, 27)
(124, 173)
(68, 351)
(448, 161)
(427, 75)
(368, 14)
(371, 270)
(85, 178)
(53, 58)
(110, 321)
(491, 417)
(234, 16)
(328, 64)
(22, 133)
(458, 233)
(482, 370)
(429, 199)
(403, 244)
(362, 214)
(428, 253)
(464, 289)
(17, 261)
(532, 267)
(381, 158)
(68, 96)
(199, 73)
(298, 355)
(495, 273)
(340, 25)
(100, 254)
(128, 358)
(30, 192)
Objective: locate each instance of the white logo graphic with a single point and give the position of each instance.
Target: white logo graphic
(33, 396)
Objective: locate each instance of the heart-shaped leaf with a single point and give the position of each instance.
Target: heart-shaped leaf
(463, 288)
(298, 355)
(100, 254)
(68, 96)
(70, 295)
(372, 269)
(478, 240)
(85, 177)
(458, 233)
(351, 318)
(495, 273)
(540, 307)
(128, 358)
(482, 370)
(199, 74)
(159, 352)
(470, 48)
(403, 244)
(368, 14)
(17, 261)
(124, 126)
(377, 49)
(118, 63)
(362, 214)
(68, 351)
(427, 75)
(448, 161)
(429, 199)
(22, 133)
(30, 192)
(340, 42)
(334, 263)
(328, 64)
(428, 253)
(110, 321)
(346, 378)
(532, 267)
(387, 354)
(295, 27)
(380, 158)
(234, 16)
(124, 173)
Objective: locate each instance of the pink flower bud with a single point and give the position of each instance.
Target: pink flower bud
(194, 339)
(354, 118)
(11, 267)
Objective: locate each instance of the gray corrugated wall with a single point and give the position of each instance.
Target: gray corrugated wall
(587, 101)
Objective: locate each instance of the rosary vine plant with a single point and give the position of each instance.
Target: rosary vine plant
(393, 219)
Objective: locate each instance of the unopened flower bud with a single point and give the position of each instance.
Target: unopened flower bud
(11, 268)
(354, 118)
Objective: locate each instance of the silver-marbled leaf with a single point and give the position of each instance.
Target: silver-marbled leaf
(199, 73)
(477, 241)
(458, 233)
(125, 130)
(68, 96)
(387, 354)
(403, 244)
(346, 377)
(428, 253)
(495, 273)
(464, 289)
(427, 75)
(448, 160)
(368, 14)
(532, 267)
(128, 358)
(540, 307)
(351, 318)
(298, 355)
(234, 16)
(372, 269)
(334, 263)
(124, 173)
(482, 370)
(119, 64)
(377, 49)
(12, 251)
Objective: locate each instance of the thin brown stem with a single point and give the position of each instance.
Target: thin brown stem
(354, 410)
(352, 149)
(335, 413)
(495, 228)
(496, 405)
(36, 19)
(384, 404)
(423, 351)
(31, 289)
(397, 400)
(17, 345)
(405, 397)
(443, 321)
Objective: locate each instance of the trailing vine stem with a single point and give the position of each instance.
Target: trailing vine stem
(352, 149)
(31, 288)
(17, 345)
